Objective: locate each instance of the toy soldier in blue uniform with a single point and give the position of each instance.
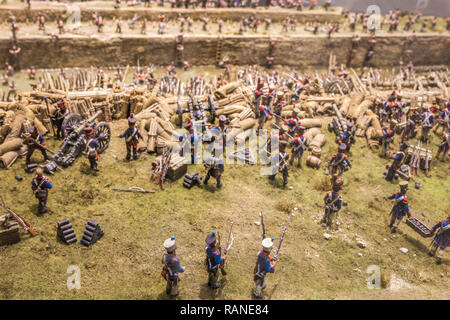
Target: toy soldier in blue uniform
(171, 267)
(349, 135)
(215, 169)
(333, 201)
(400, 207)
(441, 239)
(427, 123)
(214, 260)
(58, 116)
(444, 146)
(221, 130)
(298, 147)
(397, 161)
(34, 141)
(40, 185)
(283, 165)
(131, 136)
(264, 115)
(386, 140)
(92, 146)
(339, 161)
(188, 136)
(264, 264)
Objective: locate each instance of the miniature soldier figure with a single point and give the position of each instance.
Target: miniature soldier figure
(400, 207)
(264, 115)
(444, 118)
(214, 260)
(441, 239)
(283, 165)
(31, 73)
(41, 22)
(99, 23)
(205, 21)
(397, 161)
(34, 141)
(444, 146)
(40, 185)
(215, 169)
(144, 26)
(92, 146)
(58, 116)
(161, 28)
(278, 105)
(220, 25)
(131, 136)
(12, 90)
(190, 23)
(60, 26)
(333, 201)
(298, 147)
(427, 123)
(388, 137)
(264, 264)
(221, 130)
(171, 267)
(339, 161)
(118, 25)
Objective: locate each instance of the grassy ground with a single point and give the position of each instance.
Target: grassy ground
(125, 263)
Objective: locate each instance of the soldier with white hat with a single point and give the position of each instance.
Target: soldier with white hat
(263, 265)
(171, 267)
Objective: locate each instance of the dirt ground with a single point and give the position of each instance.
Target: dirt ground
(126, 262)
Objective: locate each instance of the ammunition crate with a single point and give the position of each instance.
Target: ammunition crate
(10, 235)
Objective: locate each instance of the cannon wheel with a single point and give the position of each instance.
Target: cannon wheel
(102, 132)
(70, 121)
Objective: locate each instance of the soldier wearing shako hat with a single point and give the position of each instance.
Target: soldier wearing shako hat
(441, 240)
(214, 260)
(339, 161)
(92, 146)
(283, 165)
(131, 136)
(400, 207)
(171, 267)
(397, 160)
(333, 201)
(264, 264)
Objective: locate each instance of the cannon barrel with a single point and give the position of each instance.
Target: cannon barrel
(90, 120)
(341, 119)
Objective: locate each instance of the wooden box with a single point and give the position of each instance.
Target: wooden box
(10, 235)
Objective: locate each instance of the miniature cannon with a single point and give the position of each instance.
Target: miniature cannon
(75, 141)
(338, 124)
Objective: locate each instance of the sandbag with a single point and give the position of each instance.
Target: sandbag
(310, 134)
(7, 159)
(247, 123)
(318, 141)
(310, 123)
(41, 128)
(12, 144)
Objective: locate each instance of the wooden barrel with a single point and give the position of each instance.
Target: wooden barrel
(316, 151)
(313, 162)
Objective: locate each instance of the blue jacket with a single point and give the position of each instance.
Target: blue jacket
(442, 238)
(128, 133)
(172, 265)
(401, 204)
(263, 265)
(213, 258)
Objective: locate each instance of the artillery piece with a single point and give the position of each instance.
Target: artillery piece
(75, 141)
(338, 124)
